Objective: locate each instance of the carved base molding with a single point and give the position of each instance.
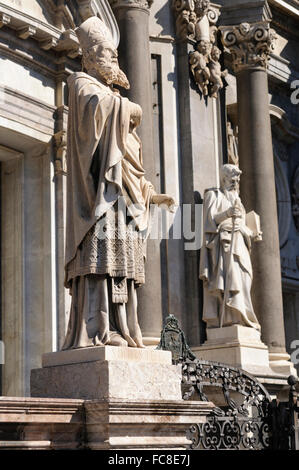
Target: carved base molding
(142, 425)
(57, 424)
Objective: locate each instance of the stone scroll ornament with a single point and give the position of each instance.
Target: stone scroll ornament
(249, 44)
(196, 23)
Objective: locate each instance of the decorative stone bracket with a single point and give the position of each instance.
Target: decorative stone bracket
(249, 44)
(196, 23)
(60, 144)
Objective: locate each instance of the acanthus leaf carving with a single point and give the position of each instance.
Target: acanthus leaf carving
(249, 44)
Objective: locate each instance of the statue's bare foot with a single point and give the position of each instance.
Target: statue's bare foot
(130, 341)
(139, 343)
(116, 340)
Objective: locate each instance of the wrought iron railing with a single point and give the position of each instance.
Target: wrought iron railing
(245, 416)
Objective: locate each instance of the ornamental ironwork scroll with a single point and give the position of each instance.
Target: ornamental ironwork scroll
(241, 421)
(245, 417)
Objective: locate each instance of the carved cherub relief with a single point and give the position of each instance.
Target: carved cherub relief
(199, 60)
(196, 23)
(216, 73)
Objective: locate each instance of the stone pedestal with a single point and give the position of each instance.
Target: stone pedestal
(237, 345)
(107, 372)
(281, 364)
(131, 399)
(241, 346)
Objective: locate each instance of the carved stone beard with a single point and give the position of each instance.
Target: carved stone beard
(231, 187)
(231, 195)
(112, 74)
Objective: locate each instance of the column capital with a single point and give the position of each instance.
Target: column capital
(141, 4)
(188, 13)
(249, 44)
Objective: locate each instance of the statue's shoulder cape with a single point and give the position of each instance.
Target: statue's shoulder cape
(215, 190)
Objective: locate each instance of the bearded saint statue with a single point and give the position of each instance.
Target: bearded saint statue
(105, 246)
(225, 264)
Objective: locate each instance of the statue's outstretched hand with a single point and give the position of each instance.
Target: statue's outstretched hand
(164, 199)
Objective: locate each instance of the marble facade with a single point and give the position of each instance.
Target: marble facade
(188, 138)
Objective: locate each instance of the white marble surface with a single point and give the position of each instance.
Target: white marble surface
(112, 379)
(239, 346)
(21, 78)
(106, 353)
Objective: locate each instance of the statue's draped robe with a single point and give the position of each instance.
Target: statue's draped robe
(219, 269)
(104, 171)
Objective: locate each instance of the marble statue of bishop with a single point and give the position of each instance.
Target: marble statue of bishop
(104, 168)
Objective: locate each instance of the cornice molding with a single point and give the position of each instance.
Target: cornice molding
(28, 111)
(49, 36)
(234, 12)
(46, 35)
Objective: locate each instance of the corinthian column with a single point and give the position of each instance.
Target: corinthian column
(250, 45)
(134, 58)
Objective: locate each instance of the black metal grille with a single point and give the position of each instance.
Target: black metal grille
(245, 417)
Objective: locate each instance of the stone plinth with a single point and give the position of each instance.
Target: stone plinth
(103, 373)
(147, 424)
(44, 423)
(131, 400)
(241, 346)
(40, 423)
(281, 364)
(237, 345)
